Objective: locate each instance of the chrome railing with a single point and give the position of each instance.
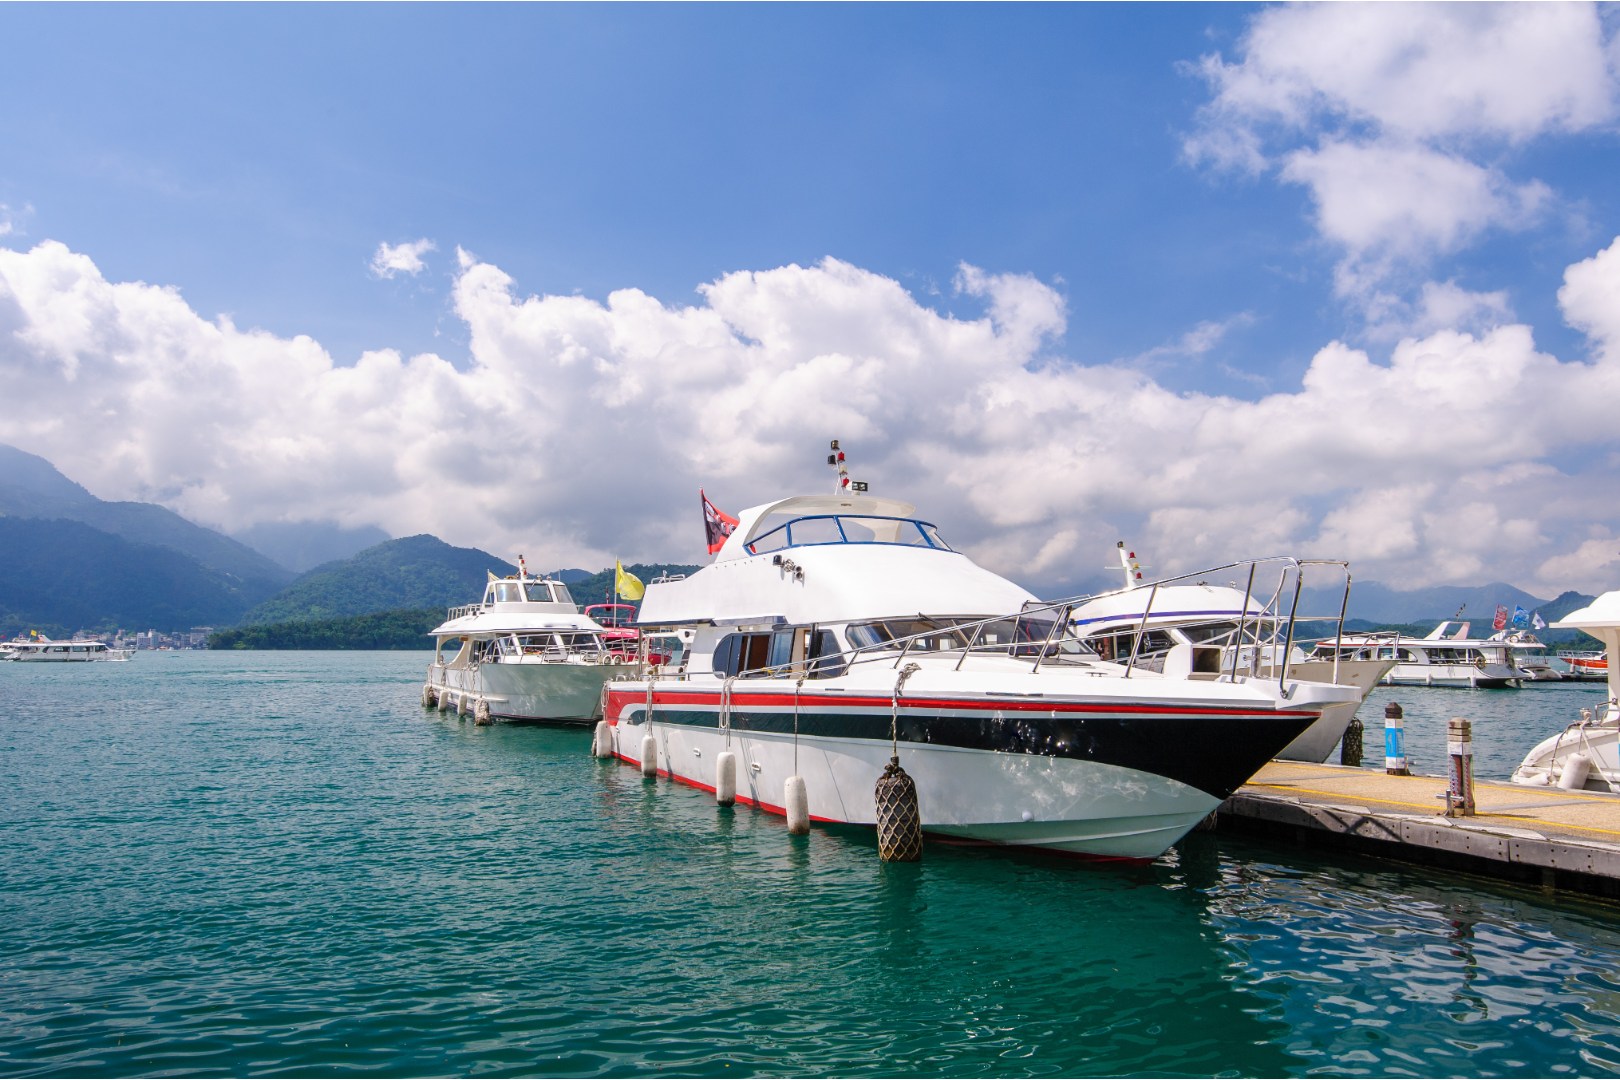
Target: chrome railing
(1263, 629)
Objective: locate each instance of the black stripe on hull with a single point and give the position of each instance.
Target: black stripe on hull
(1213, 751)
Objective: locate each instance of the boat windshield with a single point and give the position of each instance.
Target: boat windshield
(845, 529)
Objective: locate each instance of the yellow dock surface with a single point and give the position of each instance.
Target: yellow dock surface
(1547, 836)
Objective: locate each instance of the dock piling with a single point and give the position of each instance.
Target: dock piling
(1395, 741)
(1460, 747)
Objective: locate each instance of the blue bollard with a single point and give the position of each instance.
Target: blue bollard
(1395, 741)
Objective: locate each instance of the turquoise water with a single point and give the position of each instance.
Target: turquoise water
(278, 863)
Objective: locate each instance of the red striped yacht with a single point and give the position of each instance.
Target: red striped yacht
(833, 631)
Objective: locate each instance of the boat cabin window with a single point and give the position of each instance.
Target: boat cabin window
(539, 592)
(844, 529)
(1119, 646)
(1213, 633)
(506, 592)
(779, 654)
(1023, 636)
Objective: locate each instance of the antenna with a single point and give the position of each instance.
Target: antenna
(844, 485)
(1128, 563)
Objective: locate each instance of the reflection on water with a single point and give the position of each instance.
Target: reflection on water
(244, 863)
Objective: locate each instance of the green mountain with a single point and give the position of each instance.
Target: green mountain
(413, 573)
(59, 576)
(32, 488)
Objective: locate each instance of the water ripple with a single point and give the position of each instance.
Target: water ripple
(278, 864)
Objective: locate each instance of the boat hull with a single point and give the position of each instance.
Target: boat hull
(559, 693)
(1105, 780)
(1462, 676)
(1320, 738)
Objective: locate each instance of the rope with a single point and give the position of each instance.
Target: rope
(797, 690)
(894, 715)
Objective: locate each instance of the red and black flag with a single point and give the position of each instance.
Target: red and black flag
(716, 523)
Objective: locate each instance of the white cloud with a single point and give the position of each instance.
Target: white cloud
(579, 429)
(1401, 120)
(1418, 71)
(1588, 298)
(391, 260)
(1388, 204)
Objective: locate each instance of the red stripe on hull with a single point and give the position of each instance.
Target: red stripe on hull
(617, 701)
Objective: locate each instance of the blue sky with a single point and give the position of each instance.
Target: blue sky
(1163, 216)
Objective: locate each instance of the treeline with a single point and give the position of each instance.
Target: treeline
(598, 588)
(403, 629)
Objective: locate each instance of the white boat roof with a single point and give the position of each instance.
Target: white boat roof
(829, 582)
(1172, 604)
(1601, 619)
(757, 520)
(499, 613)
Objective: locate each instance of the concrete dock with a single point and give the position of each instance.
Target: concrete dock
(1555, 839)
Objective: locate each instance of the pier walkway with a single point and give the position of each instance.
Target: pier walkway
(1556, 839)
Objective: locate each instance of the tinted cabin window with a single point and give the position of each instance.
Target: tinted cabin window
(725, 655)
(825, 661)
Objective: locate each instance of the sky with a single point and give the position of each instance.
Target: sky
(1336, 281)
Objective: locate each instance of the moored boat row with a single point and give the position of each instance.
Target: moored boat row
(837, 638)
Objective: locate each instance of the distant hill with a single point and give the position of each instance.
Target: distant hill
(32, 488)
(304, 545)
(415, 572)
(1380, 605)
(58, 576)
(395, 630)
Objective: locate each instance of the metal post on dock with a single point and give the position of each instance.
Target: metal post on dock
(1460, 745)
(1395, 741)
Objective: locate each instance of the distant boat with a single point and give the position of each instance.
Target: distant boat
(1446, 657)
(1591, 666)
(45, 650)
(525, 652)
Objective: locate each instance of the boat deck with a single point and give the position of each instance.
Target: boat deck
(1563, 840)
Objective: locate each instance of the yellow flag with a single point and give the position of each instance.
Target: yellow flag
(625, 583)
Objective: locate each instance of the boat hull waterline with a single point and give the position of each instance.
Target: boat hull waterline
(1101, 779)
(559, 693)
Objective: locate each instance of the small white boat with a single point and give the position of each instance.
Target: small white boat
(1585, 756)
(525, 652)
(1447, 656)
(835, 632)
(42, 650)
(1146, 620)
(1529, 655)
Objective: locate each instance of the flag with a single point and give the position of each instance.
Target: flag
(717, 524)
(1500, 622)
(1538, 622)
(1521, 617)
(627, 584)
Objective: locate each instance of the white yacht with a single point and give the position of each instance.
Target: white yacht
(832, 632)
(1142, 623)
(524, 653)
(1585, 756)
(45, 650)
(1447, 656)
